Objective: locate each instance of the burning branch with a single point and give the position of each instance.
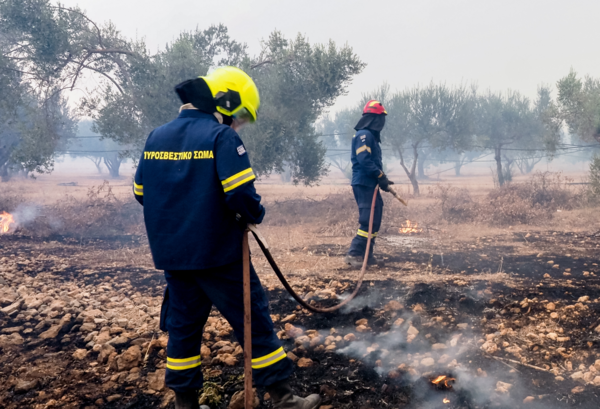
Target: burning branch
(443, 382)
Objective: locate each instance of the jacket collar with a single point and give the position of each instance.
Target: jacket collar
(194, 113)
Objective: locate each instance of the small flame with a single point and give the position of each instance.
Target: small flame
(408, 228)
(6, 219)
(439, 379)
(446, 400)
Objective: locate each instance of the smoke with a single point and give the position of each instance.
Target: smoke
(455, 356)
(371, 300)
(26, 213)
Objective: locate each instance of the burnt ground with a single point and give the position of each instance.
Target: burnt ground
(517, 308)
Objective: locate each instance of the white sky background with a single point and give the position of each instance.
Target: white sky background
(515, 44)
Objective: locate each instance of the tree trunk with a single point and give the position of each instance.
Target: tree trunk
(4, 174)
(508, 169)
(412, 176)
(343, 165)
(415, 184)
(97, 162)
(113, 163)
(286, 175)
(498, 157)
(530, 166)
(421, 168)
(457, 167)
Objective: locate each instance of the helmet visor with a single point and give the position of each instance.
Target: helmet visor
(243, 116)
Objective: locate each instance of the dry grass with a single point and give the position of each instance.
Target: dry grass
(534, 201)
(98, 208)
(10, 198)
(99, 213)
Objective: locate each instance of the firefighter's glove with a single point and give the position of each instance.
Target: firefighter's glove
(384, 183)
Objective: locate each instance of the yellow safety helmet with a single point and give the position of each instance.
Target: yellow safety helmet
(234, 92)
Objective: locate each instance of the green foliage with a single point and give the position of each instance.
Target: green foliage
(52, 45)
(31, 133)
(298, 82)
(578, 104)
(441, 124)
(44, 49)
(145, 98)
(31, 127)
(436, 116)
(517, 130)
(594, 179)
(424, 121)
(40, 128)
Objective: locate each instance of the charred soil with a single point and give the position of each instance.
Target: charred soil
(510, 319)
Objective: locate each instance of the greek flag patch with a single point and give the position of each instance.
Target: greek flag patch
(241, 150)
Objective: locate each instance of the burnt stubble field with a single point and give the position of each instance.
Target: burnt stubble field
(470, 311)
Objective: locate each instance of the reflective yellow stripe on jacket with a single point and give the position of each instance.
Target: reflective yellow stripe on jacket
(268, 360)
(362, 149)
(238, 179)
(138, 189)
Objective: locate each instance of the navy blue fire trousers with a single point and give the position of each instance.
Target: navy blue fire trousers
(364, 198)
(189, 297)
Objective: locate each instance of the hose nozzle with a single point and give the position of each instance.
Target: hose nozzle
(393, 192)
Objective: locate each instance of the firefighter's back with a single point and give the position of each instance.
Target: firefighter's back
(188, 223)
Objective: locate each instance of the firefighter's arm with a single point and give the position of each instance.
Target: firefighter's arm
(237, 177)
(138, 185)
(362, 145)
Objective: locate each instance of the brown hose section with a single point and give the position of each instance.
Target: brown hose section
(289, 288)
(248, 395)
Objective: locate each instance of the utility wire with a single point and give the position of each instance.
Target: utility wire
(566, 147)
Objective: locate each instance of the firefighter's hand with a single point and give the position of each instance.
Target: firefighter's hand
(384, 183)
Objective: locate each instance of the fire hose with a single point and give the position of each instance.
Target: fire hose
(265, 249)
(248, 395)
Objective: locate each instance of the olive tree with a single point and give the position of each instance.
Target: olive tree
(45, 50)
(435, 117)
(298, 82)
(578, 104)
(513, 128)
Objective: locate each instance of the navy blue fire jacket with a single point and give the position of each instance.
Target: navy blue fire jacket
(196, 184)
(366, 159)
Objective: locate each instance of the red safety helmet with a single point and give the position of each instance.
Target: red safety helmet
(374, 107)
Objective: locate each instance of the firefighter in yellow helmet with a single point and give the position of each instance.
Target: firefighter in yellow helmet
(196, 184)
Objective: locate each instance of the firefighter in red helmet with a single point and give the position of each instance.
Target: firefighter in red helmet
(367, 174)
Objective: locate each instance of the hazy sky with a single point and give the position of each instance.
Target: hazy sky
(504, 44)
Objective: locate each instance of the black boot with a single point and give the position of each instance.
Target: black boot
(283, 397)
(186, 400)
(355, 262)
(376, 261)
